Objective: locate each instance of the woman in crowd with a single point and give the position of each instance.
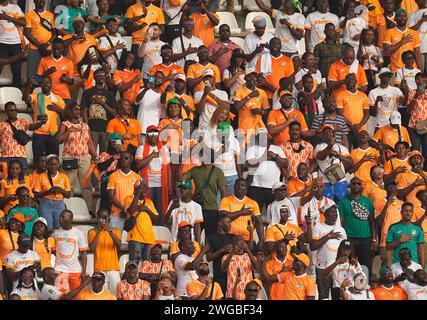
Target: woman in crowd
(43, 244)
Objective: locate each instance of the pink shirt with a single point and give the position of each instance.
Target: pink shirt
(223, 61)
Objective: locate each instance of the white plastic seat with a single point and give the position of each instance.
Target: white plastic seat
(79, 208)
(125, 245)
(239, 41)
(29, 152)
(230, 19)
(122, 262)
(252, 6)
(12, 94)
(223, 6)
(203, 237)
(6, 76)
(249, 26)
(128, 42)
(90, 266)
(163, 236)
(85, 229)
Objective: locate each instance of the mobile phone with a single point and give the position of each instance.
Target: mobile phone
(92, 51)
(150, 32)
(207, 83)
(151, 80)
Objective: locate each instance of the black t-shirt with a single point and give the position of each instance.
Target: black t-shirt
(217, 241)
(98, 117)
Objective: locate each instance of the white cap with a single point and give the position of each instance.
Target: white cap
(208, 72)
(180, 76)
(395, 118)
(277, 185)
(360, 9)
(385, 70)
(42, 220)
(259, 21)
(328, 206)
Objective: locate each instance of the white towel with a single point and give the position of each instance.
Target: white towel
(265, 64)
(354, 66)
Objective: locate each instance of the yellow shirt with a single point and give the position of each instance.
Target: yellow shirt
(154, 14)
(6, 244)
(143, 230)
(352, 105)
(203, 27)
(239, 226)
(45, 255)
(247, 120)
(33, 23)
(195, 289)
(8, 189)
(52, 124)
(88, 294)
(60, 180)
(106, 256)
(196, 70)
(175, 249)
(390, 136)
(123, 186)
(364, 171)
(376, 194)
(297, 287)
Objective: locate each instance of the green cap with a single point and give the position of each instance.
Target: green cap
(401, 11)
(224, 127)
(115, 136)
(174, 100)
(384, 269)
(186, 184)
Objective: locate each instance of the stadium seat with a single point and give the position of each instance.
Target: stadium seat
(29, 151)
(223, 5)
(249, 26)
(252, 6)
(128, 41)
(85, 229)
(230, 19)
(124, 246)
(90, 264)
(79, 208)
(6, 76)
(12, 94)
(238, 41)
(163, 236)
(122, 263)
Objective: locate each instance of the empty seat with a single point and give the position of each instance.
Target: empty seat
(12, 94)
(6, 76)
(203, 237)
(85, 229)
(163, 236)
(122, 262)
(90, 264)
(79, 208)
(252, 6)
(125, 245)
(223, 5)
(230, 19)
(29, 152)
(128, 42)
(239, 41)
(249, 26)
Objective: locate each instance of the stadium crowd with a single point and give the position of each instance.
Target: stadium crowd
(287, 164)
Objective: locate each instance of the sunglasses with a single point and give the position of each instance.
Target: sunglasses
(152, 134)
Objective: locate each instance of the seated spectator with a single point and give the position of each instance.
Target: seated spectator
(43, 243)
(416, 289)
(184, 233)
(52, 292)
(9, 236)
(281, 200)
(204, 288)
(26, 288)
(96, 292)
(387, 290)
(405, 265)
(179, 91)
(25, 206)
(166, 290)
(132, 288)
(356, 288)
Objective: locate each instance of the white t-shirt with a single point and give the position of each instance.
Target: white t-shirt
(353, 27)
(177, 48)
(297, 21)
(371, 51)
(324, 164)
(254, 153)
(17, 261)
(315, 206)
(316, 22)
(268, 172)
(226, 161)
(209, 109)
(414, 17)
(184, 277)
(389, 104)
(50, 292)
(291, 203)
(149, 110)
(173, 11)
(69, 243)
(155, 165)
(364, 295)
(327, 254)
(344, 271)
(414, 291)
(152, 56)
(9, 33)
(251, 42)
(239, 83)
(187, 211)
(27, 293)
(104, 44)
(409, 76)
(397, 269)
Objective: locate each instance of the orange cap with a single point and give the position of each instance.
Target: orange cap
(303, 258)
(19, 217)
(327, 126)
(415, 153)
(184, 224)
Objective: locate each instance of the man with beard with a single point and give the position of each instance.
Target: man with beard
(195, 73)
(203, 288)
(387, 290)
(416, 290)
(132, 288)
(96, 292)
(405, 265)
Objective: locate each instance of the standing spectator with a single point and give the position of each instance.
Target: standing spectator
(141, 236)
(99, 106)
(318, 26)
(274, 60)
(60, 69)
(172, 10)
(256, 42)
(220, 51)
(282, 201)
(132, 288)
(121, 185)
(123, 124)
(327, 154)
(394, 132)
(196, 72)
(416, 22)
(185, 209)
(127, 78)
(357, 217)
(364, 157)
(418, 112)
(78, 150)
(71, 253)
(43, 244)
(51, 188)
(96, 292)
(401, 39)
(406, 234)
(39, 32)
(111, 44)
(289, 25)
(167, 67)
(185, 46)
(11, 39)
(328, 51)
(387, 290)
(150, 50)
(179, 91)
(24, 206)
(105, 243)
(185, 233)
(10, 148)
(140, 15)
(205, 21)
(327, 237)
(384, 22)
(9, 239)
(220, 243)
(203, 288)
(300, 185)
(47, 107)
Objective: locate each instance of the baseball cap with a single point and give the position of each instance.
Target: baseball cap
(327, 126)
(285, 92)
(395, 118)
(208, 72)
(153, 129)
(115, 136)
(277, 185)
(385, 72)
(259, 21)
(224, 127)
(186, 184)
(327, 206)
(180, 76)
(42, 220)
(51, 156)
(257, 281)
(384, 269)
(303, 258)
(184, 224)
(156, 245)
(174, 100)
(415, 153)
(18, 216)
(131, 263)
(98, 275)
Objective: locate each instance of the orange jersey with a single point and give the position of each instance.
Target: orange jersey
(123, 186)
(275, 266)
(106, 257)
(150, 267)
(8, 189)
(278, 117)
(203, 27)
(175, 249)
(8, 243)
(195, 289)
(196, 70)
(133, 291)
(395, 163)
(296, 185)
(44, 250)
(377, 195)
(247, 120)
(364, 171)
(297, 287)
(353, 106)
(59, 180)
(390, 136)
(122, 127)
(406, 179)
(243, 263)
(125, 76)
(154, 14)
(283, 68)
(339, 70)
(393, 293)
(187, 99)
(392, 216)
(143, 230)
(418, 213)
(33, 23)
(171, 69)
(88, 294)
(381, 26)
(78, 48)
(52, 124)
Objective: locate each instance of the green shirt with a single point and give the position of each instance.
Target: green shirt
(65, 17)
(394, 233)
(200, 175)
(27, 211)
(355, 227)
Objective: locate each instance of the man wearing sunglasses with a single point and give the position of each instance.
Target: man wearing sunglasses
(24, 207)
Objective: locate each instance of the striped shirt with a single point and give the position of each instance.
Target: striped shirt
(323, 119)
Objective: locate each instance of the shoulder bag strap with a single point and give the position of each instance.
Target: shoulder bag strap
(14, 130)
(161, 267)
(112, 45)
(43, 21)
(182, 46)
(212, 290)
(284, 114)
(280, 230)
(209, 177)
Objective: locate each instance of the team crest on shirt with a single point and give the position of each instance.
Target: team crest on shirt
(414, 232)
(153, 14)
(63, 67)
(396, 294)
(299, 285)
